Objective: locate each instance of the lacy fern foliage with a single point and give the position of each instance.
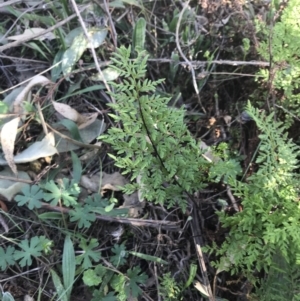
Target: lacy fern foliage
(152, 141)
(270, 219)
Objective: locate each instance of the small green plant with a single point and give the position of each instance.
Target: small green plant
(26, 252)
(114, 284)
(268, 223)
(153, 142)
(281, 44)
(169, 289)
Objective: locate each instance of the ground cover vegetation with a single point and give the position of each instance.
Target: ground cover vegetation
(149, 150)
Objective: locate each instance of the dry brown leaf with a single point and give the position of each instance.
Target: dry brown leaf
(211, 121)
(208, 155)
(87, 120)
(31, 32)
(37, 80)
(201, 288)
(108, 182)
(90, 183)
(9, 188)
(134, 204)
(68, 112)
(90, 154)
(8, 137)
(227, 119)
(112, 182)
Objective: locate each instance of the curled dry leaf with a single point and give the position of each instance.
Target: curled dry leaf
(81, 120)
(108, 182)
(67, 112)
(37, 80)
(65, 143)
(39, 149)
(114, 182)
(88, 119)
(90, 154)
(31, 32)
(208, 155)
(8, 137)
(227, 119)
(201, 288)
(90, 183)
(9, 188)
(108, 74)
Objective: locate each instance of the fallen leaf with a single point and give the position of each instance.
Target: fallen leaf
(65, 143)
(68, 112)
(82, 120)
(9, 188)
(39, 149)
(33, 31)
(211, 121)
(108, 182)
(134, 205)
(109, 74)
(87, 120)
(113, 182)
(201, 288)
(208, 155)
(37, 80)
(8, 137)
(90, 183)
(227, 119)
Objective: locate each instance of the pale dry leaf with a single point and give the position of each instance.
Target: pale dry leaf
(39, 149)
(90, 183)
(8, 188)
(201, 288)
(108, 182)
(31, 32)
(108, 74)
(211, 121)
(8, 137)
(87, 120)
(134, 205)
(208, 155)
(112, 182)
(28, 298)
(65, 143)
(68, 112)
(90, 154)
(37, 80)
(227, 119)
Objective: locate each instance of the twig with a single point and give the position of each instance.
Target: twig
(166, 225)
(198, 64)
(185, 58)
(14, 179)
(197, 236)
(4, 224)
(91, 46)
(157, 283)
(232, 198)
